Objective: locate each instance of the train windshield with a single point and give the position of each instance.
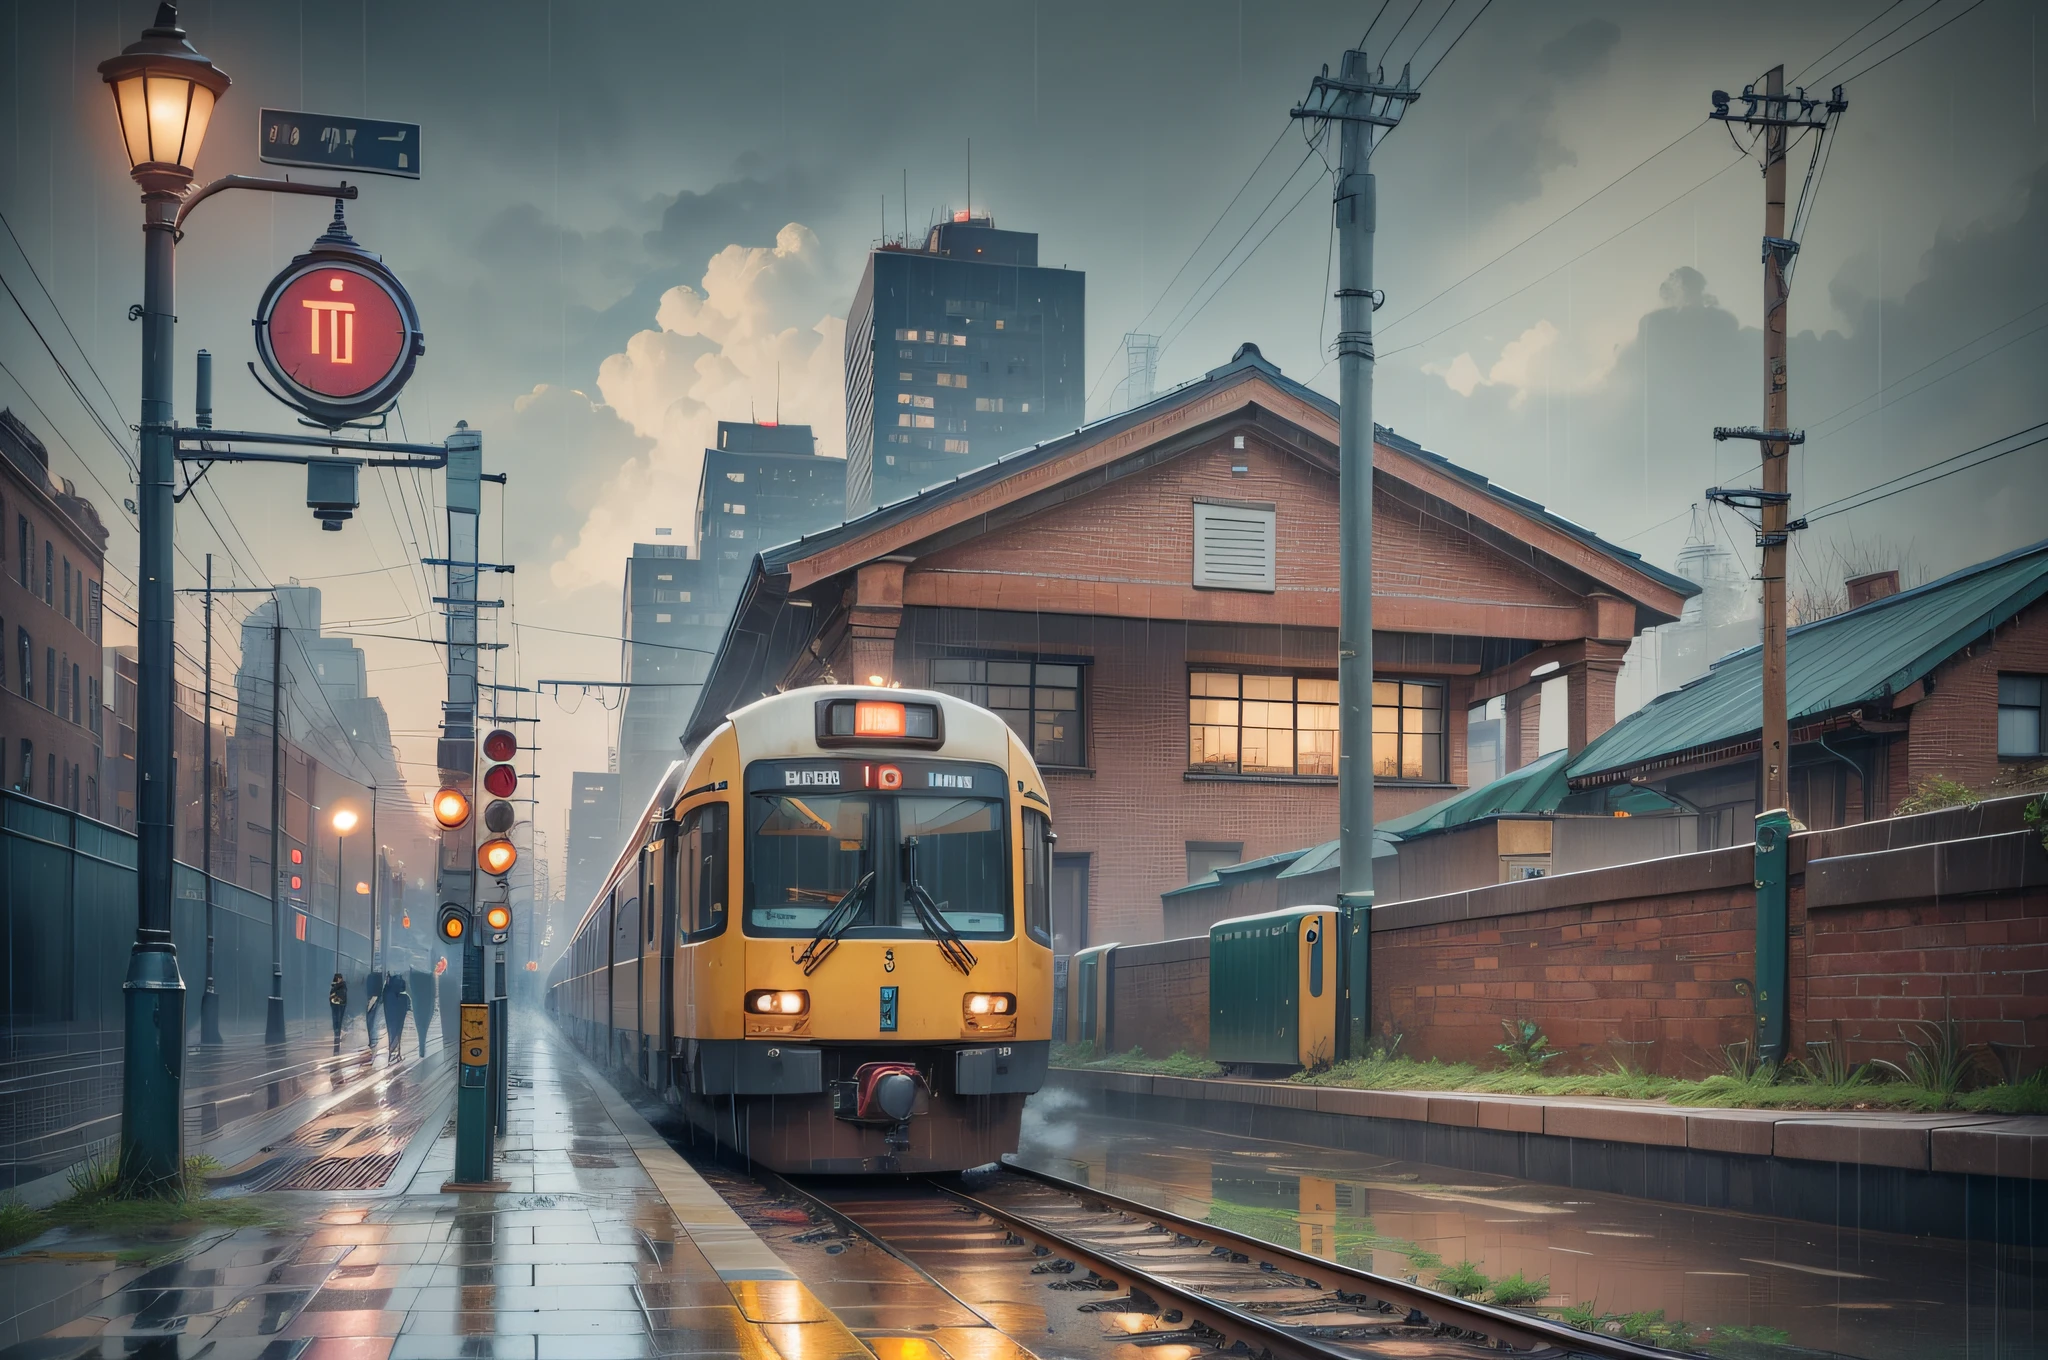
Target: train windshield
(807, 851)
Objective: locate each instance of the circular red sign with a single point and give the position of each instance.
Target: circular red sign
(337, 331)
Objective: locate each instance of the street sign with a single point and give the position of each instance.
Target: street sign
(337, 330)
(330, 141)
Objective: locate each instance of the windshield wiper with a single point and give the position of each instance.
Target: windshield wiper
(836, 923)
(929, 916)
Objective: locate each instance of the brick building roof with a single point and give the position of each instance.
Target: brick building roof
(762, 637)
(1869, 656)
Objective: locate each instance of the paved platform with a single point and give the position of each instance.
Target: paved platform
(2010, 1146)
(606, 1244)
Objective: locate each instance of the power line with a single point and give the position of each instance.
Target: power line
(61, 320)
(1915, 43)
(1845, 41)
(1939, 378)
(1163, 293)
(1856, 500)
(1307, 189)
(1603, 242)
(1484, 6)
(1250, 226)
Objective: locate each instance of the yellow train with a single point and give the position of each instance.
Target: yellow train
(828, 939)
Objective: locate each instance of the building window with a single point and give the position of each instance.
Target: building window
(1041, 701)
(952, 380)
(661, 618)
(67, 589)
(956, 446)
(2021, 699)
(50, 678)
(916, 422)
(92, 616)
(988, 403)
(735, 476)
(1242, 723)
(49, 573)
(27, 553)
(77, 694)
(910, 399)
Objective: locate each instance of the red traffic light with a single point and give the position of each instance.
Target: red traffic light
(500, 781)
(500, 744)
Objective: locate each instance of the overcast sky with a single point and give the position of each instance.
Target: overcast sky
(638, 218)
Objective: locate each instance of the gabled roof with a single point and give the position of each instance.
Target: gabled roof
(1537, 787)
(1865, 656)
(758, 636)
(1245, 363)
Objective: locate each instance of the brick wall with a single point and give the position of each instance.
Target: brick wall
(1954, 730)
(1162, 997)
(1639, 961)
(1895, 924)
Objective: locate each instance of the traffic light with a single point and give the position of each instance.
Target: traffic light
(454, 923)
(500, 781)
(451, 808)
(498, 917)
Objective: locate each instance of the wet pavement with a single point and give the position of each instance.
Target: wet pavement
(584, 1255)
(1761, 1280)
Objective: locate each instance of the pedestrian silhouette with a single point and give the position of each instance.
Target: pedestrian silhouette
(337, 1004)
(422, 994)
(396, 1005)
(373, 993)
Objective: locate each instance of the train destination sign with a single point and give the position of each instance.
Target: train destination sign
(328, 141)
(338, 331)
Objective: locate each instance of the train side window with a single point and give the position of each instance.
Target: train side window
(1038, 841)
(701, 871)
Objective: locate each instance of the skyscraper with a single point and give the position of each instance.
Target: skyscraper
(958, 351)
(672, 624)
(762, 486)
(593, 838)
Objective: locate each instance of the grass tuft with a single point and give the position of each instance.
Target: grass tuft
(1180, 1064)
(19, 1224)
(1519, 1291)
(1463, 1280)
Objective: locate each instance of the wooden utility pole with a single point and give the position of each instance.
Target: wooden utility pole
(1775, 115)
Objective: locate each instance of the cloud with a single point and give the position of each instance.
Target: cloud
(745, 210)
(1580, 51)
(1516, 368)
(756, 336)
(564, 447)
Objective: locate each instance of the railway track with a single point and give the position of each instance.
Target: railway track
(1010, 1247)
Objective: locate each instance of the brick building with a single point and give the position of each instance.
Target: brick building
(50, 623)
(1947, 680)
(1152, 602)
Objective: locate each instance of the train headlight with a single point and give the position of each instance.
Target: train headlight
(989, 1011)
(767, 1002)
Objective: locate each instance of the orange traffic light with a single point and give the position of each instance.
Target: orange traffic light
(499, 916)
(451, 808)
(496, 857)
(454, 923)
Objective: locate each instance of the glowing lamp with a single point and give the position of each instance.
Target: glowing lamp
(496, 856)
(344, 821)
(164, 93)
(872, 719)
(451, 808)
(499, 917)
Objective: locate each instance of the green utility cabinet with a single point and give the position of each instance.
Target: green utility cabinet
(1273, 988)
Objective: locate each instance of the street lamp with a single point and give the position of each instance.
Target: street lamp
(164, 96)
(344, 822)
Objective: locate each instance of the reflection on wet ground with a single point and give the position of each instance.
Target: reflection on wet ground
(1752, 1280)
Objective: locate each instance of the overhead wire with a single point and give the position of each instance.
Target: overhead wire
(1845, 41)
(1918, 477)
(1914, 43)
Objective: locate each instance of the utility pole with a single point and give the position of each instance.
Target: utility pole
(209, 1000)
(1365, 107)
(1775, 114)
(273, 1019)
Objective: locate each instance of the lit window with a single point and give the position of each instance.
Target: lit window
(739, 508)
(906, 377)
(1026, 408)
(661, 618)
(1278, 724)
(1041, 702)
(735, 476)
(988, 403)
(922, 422)
(2021, 699)
(952, 380)
(956, 446)
(958, 340)
(665, 577)
(999, 323)
(735, 533)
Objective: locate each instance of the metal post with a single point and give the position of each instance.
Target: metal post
(457, 759)
(153, 1066)
(376, 872)
(339, 837)
(1777, 455)
(501, 1039)
(1362, 104)
(209, 1000)
(273, 1020)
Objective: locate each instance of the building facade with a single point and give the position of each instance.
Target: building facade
(763, 486)
(51, 624)
(1944, 682)
(594, 830)
(958, 351)
(1151, 602)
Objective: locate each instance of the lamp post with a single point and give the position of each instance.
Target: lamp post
(344, 822)
(164, 94)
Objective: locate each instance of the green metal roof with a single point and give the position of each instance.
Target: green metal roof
(1537, 787)
(1833, 664)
